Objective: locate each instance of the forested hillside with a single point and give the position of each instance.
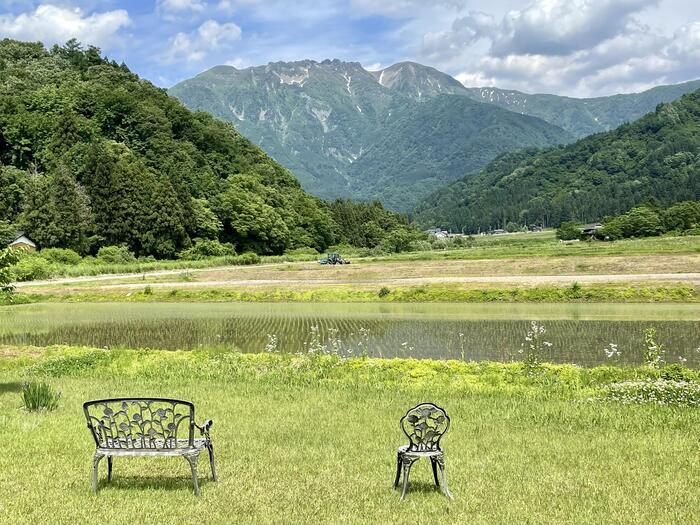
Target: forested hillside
(91, 155)
(438, 141)
(656, 157)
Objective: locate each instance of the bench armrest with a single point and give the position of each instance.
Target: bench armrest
(204, 427)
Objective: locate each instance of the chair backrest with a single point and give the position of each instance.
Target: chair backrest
(424, 425)
(139, 423)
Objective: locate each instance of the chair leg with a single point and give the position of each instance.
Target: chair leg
(109, 468)
(398, 470)
(210, 448)
(435, 476)
(407, 463)
(441, 463)
(95, 463)
(192, 460)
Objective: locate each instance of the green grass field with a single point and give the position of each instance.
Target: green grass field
(543, 244)
(309, 439)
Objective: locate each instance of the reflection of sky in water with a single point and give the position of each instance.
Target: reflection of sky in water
(579, 332)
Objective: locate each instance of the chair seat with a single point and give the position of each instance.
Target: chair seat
(403, 450)
(156, 448)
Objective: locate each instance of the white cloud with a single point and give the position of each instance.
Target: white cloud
(194, 46)
(400, 7)
(173, 9)
(559, 27)
(574, 47)
(53, 24)
(238, 63)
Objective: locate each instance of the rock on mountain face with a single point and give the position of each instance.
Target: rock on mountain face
(320, 118)
(418, 81)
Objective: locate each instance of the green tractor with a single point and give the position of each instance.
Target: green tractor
(333, 258)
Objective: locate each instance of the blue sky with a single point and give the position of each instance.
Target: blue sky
(571, 47)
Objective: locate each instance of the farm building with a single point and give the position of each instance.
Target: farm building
(22, 242)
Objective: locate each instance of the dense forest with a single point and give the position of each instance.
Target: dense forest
(657, 156)
(92, 156)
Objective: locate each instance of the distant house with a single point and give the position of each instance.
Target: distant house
(437, 232)
(591, 229)
(498, 232)
(22, 242)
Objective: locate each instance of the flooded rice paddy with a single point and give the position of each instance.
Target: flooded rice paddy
(579, 333)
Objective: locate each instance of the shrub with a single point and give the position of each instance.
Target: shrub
(115, 255)
(302, 251)
(31, 267)
(39, 396)
(247, 258)
(656, 391)
(568, 231)
(7, 259)
(60, 256)
(205, 248)
(383, 291)
(148, 290)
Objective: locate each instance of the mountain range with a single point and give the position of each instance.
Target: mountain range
(398, 134)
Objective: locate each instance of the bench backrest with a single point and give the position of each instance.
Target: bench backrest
(139, 423)
(425, 424)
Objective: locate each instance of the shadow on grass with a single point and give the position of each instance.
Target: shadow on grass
(144, 483)
(10, 387)
(421, 487)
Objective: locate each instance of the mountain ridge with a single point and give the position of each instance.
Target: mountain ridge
(318, 118)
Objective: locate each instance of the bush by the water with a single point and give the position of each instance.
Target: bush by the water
(656, 391)
(39, 396)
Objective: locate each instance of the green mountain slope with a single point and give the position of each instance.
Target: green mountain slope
(584, 116)
(321, 119)
(91, 155)
(655, 157)
(314, 118)
(433, 143)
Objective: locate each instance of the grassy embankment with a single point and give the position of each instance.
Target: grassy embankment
(308, 439)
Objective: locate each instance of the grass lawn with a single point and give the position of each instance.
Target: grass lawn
(304, 439)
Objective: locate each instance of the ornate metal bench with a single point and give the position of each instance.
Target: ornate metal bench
(424, 425)
(146, 427)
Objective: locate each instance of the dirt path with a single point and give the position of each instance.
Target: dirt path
(531, 280)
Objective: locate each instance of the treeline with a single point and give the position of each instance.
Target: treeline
(369, 225)
(648, 220)
(93, 156)
(606, 174)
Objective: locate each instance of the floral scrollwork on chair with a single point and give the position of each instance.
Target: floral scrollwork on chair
(424, 425)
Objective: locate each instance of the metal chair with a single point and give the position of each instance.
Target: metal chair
(424, 425)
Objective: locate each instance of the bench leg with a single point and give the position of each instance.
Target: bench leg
(95, 463)
(398, 470)
(192, 460)
(109, 468)
(440, 460)
(210, 448)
